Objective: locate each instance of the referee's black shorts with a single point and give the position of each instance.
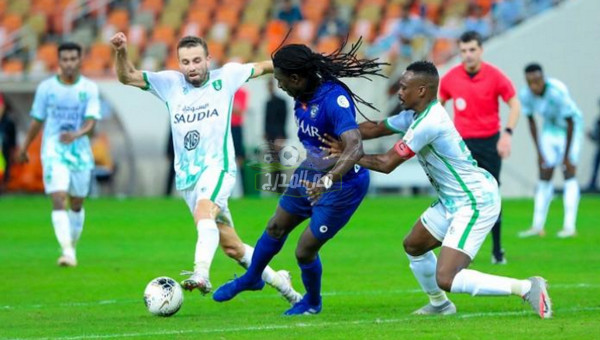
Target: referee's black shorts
(485, 152)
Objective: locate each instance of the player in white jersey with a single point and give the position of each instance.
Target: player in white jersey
(199, 102)
(67, 107)
(558, 144)
(468, 201)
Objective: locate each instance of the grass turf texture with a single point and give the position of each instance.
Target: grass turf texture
(369, 291)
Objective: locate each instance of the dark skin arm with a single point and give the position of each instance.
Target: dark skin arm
(351, 150)
(534, 136)
(569, 168)
(370, 130)
(385, 163)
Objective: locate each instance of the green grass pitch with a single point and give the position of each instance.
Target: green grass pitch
(369, 291)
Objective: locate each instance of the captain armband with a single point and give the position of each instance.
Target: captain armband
(403, 150)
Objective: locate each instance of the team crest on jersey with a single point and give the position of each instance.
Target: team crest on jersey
(191, 140)
(185, 90)
(343, 101)
(82, 96)
(217, 84)
(314, 109)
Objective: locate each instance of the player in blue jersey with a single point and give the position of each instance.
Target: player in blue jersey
(334, 189)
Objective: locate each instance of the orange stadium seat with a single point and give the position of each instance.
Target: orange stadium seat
(48, 53)
(3, 6)
(172, 62)
(44, 6)
(276, 29)
(93, 67)
(442, 50)
(313, 13)
(216, 50)
(227, 15)
(164, 34)
(249, 31)
(153, 6)
(392, 11)
(201, 17)
(28, 176)
(205, 5)
(12, 22)
(119, 18)
(101, 53)
(12, 66)
(328, 44)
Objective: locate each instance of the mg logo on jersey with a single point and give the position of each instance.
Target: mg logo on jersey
(314, 109)
(191, 140)
(217, 84)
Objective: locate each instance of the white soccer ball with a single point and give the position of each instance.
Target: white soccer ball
(163, 296)
(289, 156)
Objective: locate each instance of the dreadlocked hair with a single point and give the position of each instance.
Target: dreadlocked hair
(317, 67)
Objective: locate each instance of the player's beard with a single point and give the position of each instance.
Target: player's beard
(198, 81)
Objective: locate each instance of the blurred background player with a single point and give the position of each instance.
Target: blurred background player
(67, 107)
(323, 104)
(594, 135)
(559, 143)
(199, 102)
(276, 111)
(468, 202)
(474, 87)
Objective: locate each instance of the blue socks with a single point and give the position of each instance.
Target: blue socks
(264, 251)
(311, 277)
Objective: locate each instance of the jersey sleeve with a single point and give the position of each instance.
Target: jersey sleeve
(340, 111)
(419, 134)
(160, 83)
(237, 74)
(92, 110)
(505, 87)
(38, 109)
(400, 122)
(526, 103)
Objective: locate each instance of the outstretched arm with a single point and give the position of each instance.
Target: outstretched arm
(371, 130)
(262, 67)
(126, 72)
(385, 163)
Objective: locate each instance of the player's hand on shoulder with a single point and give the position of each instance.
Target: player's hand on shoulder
(119, 41)
(333, 147)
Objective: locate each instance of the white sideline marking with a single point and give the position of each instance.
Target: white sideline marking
(270, 296)
(299, 325)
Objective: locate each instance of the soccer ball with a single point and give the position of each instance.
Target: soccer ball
(289, 156)
(163, 296)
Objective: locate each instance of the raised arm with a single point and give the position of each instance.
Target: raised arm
(385, 163)
(126, 72)
(262, 67)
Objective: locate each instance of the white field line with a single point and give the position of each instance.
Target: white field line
(297, 325)
(269, 296)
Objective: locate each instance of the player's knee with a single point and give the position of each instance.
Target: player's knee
(274, 229)
(444, 280)
(305, 255)
(411, 247)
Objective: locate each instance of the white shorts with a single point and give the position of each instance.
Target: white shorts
(215, 185)
(553, 146)
(58, 177)
(465, 230)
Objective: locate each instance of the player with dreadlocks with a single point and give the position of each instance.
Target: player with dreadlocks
(323, 105)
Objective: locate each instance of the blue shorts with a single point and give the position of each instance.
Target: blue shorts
(333, 209)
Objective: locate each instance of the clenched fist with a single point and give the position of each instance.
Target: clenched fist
(118, 41)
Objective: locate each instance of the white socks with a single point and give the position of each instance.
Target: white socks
(477, 283)
(543, 197)
(268, 275)
(76, 220)
(423, 267)
(208, 241)
(571, 202)
(62, 230)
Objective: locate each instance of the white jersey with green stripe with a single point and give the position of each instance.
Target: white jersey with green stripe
(200, 118)
(64, 108)
(445, 158)
(555, 105)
